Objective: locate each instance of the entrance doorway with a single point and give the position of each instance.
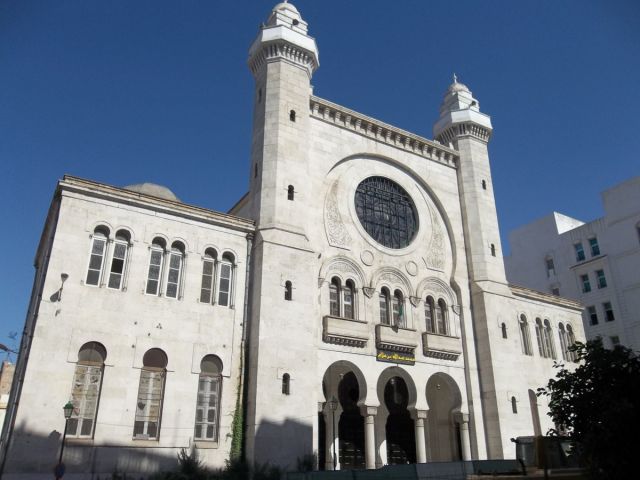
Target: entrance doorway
(400, 432)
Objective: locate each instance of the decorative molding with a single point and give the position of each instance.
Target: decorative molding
(412, 268)
(456, 309)
(367, 257)
(282, 50)
(393, 277)
(381, 132)
(435, 257)
(467, 129)
(368, 291)
(337, 234)
(344, 265)
(415, 301)
(436, 287)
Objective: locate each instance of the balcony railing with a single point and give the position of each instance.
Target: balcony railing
(396, 339)
(441, 346)
(343, 331)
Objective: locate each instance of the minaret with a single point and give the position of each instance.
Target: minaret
(462, 126)
(282, 377)
(282, 60)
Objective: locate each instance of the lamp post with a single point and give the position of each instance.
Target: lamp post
(68, 411)
(333, 404)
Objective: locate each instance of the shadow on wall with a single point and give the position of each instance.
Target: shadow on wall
(283, 444)
(37, 455)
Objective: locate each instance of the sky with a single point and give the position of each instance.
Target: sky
(128, 91)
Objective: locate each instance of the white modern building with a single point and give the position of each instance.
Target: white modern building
(596, 263)
(353, 304)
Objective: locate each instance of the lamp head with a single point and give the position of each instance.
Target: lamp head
(64, 276)
(68, 410)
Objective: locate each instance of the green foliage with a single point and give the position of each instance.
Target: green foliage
(598, 405)
(237, 430)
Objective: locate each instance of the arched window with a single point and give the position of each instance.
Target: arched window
(292, 115)
(290, 193)
(539, 338)
(548, 340)
(225, 291)
(514, 405)
(207, 287)
(286, 384)
(342, 299)
(571, 339)
(493, 250)
(441, 318)
(334, 297)
(398, 309)
(288, 290)
(348, 300)
(384, 306)
(429, 314)
(208, 400)
(96, 257)
(484, 184)
(85, 392)
(503, 327)
(524, 335)
(156, 260)
(119, 259)
(150, 395)
(562, 336)
(174, 276)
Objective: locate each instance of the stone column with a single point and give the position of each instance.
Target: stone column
(330, 437)
(463, 420)
(419, 417)
(369, 414)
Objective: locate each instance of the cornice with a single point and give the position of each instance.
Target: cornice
(531, 294)
(282, 50)
(381, 132)
(100, 190)
(470, 129)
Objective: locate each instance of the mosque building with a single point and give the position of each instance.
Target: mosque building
(352, 306)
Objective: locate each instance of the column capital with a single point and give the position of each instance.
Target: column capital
(366, 410)
(461, 417)
(419, 414)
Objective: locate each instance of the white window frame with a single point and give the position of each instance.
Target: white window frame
(203, 406)
(173, 254)
(155, 375)
(212, 289)
(95, 237)
(125, 264)
(226, 263)
(525, 338)
(82, 410)
(601, 279)
(385, 295)
(158, 291)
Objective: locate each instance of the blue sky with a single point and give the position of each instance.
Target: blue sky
(127, 91)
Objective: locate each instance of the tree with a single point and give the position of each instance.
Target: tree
(598, 405)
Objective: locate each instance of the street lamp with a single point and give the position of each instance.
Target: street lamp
(68, 411)
(333, 404)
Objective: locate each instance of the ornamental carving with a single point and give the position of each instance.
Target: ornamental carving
(337, 234)
(369, 291)
(415, 301)
(435, 258)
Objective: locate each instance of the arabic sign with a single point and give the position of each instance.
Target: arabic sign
(395, 357)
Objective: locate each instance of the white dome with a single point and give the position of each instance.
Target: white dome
(286, 6)
(153, 190)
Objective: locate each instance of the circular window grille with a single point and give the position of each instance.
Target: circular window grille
(386, 212)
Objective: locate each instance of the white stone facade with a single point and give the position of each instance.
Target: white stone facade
(545, 256)
(411, 351)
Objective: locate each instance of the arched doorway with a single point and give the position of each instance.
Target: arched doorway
(443, 398)
(351, 424)
(399, 429)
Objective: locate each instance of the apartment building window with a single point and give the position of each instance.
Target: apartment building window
(96, 257)
(174, 276)
(85, 391)
(551, 269)
(524, 336)
(608, 312)
(580, 256)
(342, 298)
(586, 286)
(595, 248)
(602, 281)
(150, 395)
(225, 290)
(208, 402)
(615, 340)
(397, 309)
(156, 260)
(207, 286)
(593, 315)
(119, 260)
